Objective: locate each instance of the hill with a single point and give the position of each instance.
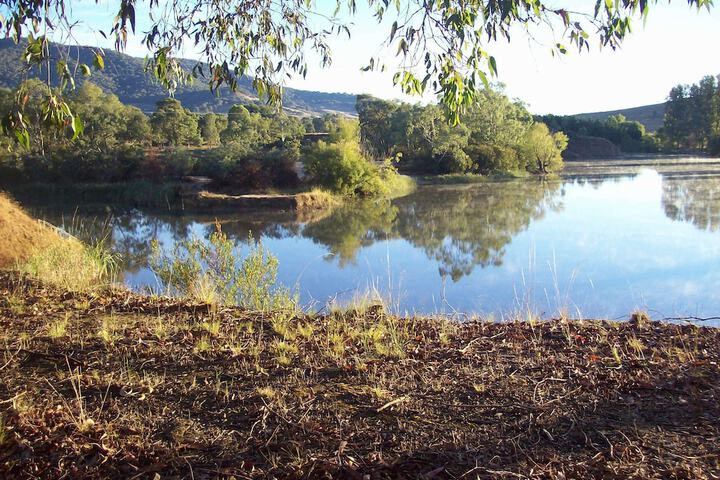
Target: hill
(125, 77)
(649, 115)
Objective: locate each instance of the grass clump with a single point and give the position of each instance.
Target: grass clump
(15, 304)
(284, 352)
(267, 392)
(108, 331)
(203, 344)
(316, 199)
(159, 329)
(212, 327)
(72, 265)
(58, 329)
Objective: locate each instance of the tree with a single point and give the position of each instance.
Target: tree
(490, 137)
(137, 127)
(243, 127)
(173, 125)
(340, 166)
(107, 121)
(209, 129)
(704, 99)
(692, 115)
(383, 124)
(542, 150)
(441, 45)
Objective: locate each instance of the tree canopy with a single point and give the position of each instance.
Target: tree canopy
(692, 116)
(496, 134)
(442, 46)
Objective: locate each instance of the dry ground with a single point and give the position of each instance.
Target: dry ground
(123, 386)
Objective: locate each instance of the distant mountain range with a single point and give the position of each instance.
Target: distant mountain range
(125, 77)
(650, 115)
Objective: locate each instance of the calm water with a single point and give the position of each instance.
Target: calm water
(604, 240)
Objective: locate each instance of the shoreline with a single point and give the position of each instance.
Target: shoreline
(115, 385)
(188, 198)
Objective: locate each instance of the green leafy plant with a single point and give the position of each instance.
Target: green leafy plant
(195, 268)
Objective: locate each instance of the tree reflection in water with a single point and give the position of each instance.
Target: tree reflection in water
(692, 198)
(460, 227)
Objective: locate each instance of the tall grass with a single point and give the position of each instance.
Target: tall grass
(70, 264)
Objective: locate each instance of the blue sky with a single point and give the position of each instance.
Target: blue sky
(677, 44)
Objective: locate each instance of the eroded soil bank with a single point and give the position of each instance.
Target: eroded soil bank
(124, 386)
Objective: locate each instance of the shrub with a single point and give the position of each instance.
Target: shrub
(488, 158)
(452, 159)
(215, 271)
(341, 168)
(237, 166)
(179, 162)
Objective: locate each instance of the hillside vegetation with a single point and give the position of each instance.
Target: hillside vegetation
(649, 115)
(125, 77)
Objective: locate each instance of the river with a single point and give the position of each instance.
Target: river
(605, 239)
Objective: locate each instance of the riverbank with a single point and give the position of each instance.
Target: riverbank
(187, 197)
(171, 197)
(116, 385)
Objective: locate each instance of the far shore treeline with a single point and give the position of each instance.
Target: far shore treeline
(258, 148)
(691, 124)
(255, 147)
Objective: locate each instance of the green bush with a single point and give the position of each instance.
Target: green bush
(179, 162)
(216, 272)
(341, 168)
(495, 158)
(453, 159)
(240, 167)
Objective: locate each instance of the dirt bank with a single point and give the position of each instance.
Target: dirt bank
(20, 234)
(122, 386)
(297, 202)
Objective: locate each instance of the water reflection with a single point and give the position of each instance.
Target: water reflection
(462, 228)
(693, 198)
(352, 227)
(459, 227)
(610, 240)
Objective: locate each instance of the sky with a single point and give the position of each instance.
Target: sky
(677, 44)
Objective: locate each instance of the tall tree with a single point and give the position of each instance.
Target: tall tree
(137, 127)
(692, 115)
(677, 116)
(209, 129)
(705, 110)
(173, 125)
(383, 124)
